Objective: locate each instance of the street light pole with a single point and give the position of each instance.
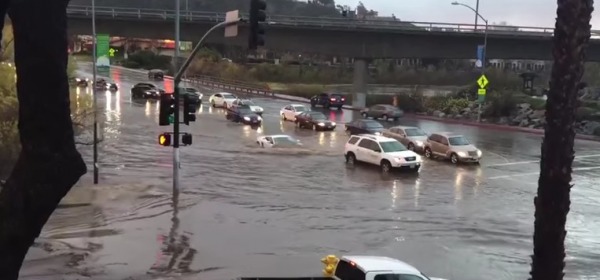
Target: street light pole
(485, 35)
(476, 13)
(94, 97)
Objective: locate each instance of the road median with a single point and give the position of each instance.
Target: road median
(244, 88)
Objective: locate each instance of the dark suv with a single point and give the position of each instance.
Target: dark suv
(328, 100)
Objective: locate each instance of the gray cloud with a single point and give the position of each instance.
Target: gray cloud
(540, 13)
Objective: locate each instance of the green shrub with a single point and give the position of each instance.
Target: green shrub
(455, 105)
(148, 60)
(436, 103)
(303, 90)
(501, 103)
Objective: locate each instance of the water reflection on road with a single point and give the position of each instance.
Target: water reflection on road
(244, 210)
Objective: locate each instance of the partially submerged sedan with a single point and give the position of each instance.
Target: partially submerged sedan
(277, 141)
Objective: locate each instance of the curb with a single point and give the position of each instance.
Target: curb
(489, 126)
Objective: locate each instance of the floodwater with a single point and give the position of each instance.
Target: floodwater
(247, 211)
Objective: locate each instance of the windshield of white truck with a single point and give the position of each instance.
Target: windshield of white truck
(394, 276)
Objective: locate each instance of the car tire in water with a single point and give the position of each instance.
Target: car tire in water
(212, 103)
(385, 117)
(386, 166)
(428, 153)
(454, 158)
(350, 158)
(339, 108)
(411, 147)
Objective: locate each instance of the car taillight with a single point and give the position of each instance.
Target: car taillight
(343, 99)
(332, 99)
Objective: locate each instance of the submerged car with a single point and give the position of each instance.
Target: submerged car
(156, 75)
(244, 115)
(382, 111)
(364, 127)
(277, 141)
(247, 102)
(144, 91)
(412, 137)
(102, 84)
(451, 146)
(314, 120)
(82, 82)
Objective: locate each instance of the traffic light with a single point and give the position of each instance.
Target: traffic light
(330, 262)
(186, 139)
(257, 16)
(164, 139)
(189, 110)
(166, 109)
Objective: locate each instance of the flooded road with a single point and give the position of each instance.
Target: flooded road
(249, 211)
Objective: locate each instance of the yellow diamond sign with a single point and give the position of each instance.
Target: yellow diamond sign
(482, 81)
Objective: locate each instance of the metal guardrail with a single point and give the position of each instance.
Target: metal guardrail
(231, 86)
(311, 22)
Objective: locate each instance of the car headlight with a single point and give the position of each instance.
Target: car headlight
(247, 118)
(77, 80)
(479, 153)
(321, 124)
(462, 154)
(377, 133)
(259, 118)
(333, 123)
(419, 143)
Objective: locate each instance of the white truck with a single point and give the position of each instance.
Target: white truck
(363, 268)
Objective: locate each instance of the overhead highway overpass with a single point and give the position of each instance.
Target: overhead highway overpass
(342, 37)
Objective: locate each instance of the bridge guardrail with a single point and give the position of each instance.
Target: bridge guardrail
(320, 22)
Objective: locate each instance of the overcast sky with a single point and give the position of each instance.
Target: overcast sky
(540, 13)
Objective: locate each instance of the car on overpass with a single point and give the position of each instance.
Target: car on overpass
(328, 100)
(314, 120)
(364, 127)
(387, 153)
(452, 146)
(382, 111)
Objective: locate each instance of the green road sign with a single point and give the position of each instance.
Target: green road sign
(102, 50)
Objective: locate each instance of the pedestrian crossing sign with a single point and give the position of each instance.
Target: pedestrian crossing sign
(482, 81)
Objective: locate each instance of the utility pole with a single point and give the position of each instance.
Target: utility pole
(94, 96)
(176, 163)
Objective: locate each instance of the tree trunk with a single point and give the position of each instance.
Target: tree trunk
(571, 36)
(49, 164)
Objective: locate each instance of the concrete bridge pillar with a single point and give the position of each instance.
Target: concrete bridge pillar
(359, 84)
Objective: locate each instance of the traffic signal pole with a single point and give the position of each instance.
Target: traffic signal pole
(176, 82)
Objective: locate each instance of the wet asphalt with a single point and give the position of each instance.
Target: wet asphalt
(247, 211)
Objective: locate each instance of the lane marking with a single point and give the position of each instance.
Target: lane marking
(535, 161)
(537, 173)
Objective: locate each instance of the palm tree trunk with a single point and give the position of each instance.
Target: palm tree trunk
(49, 163)
(571, 36)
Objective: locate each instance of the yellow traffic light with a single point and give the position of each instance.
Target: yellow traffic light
(164, 139)
(330, 262)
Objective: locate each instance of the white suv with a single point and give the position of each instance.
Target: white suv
(386, 152)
